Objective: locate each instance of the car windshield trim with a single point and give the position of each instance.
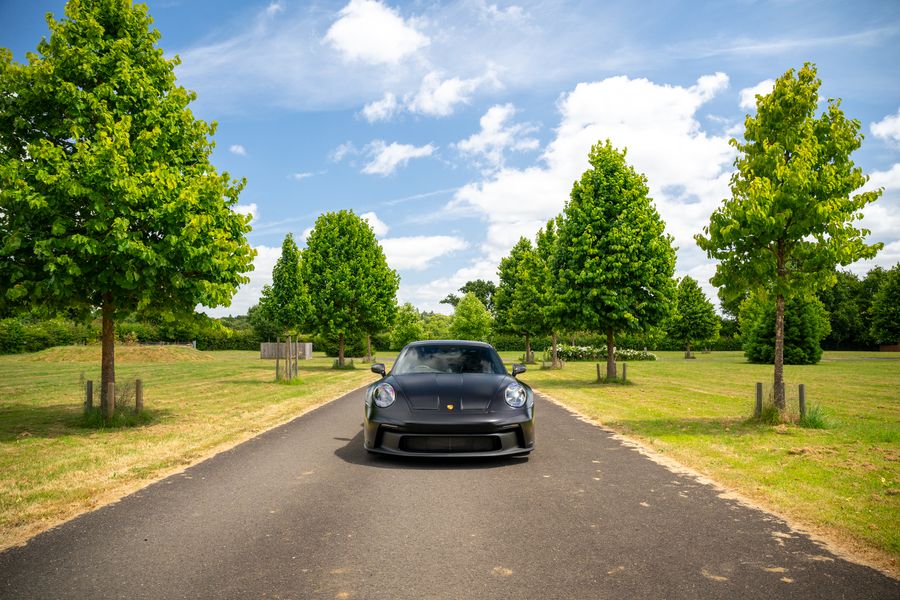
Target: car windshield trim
(457, 359)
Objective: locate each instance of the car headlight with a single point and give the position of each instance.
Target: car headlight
(383, 395)
(515, 395)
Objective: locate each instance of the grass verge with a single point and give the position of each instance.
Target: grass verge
(54, 464)
(837, 476)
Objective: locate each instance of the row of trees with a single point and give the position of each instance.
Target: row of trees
(339, 287)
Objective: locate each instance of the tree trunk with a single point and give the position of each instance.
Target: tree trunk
(341, 350)
(554, 352)
(687, 351)
(779, 353)
(368, 348)
(779, 332)
(107, 348)
(610, 356)
(528, 357)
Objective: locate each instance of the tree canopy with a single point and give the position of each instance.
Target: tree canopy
(508, 271)
(351, 288)
(286, 301)
(107, 196)
(614, 261)
(407, 327)
(886, 308)
(790, 220)
(806, 325)
(694, 319)
(483, 290)
(471, 320)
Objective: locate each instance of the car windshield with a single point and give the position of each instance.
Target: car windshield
(445, 358)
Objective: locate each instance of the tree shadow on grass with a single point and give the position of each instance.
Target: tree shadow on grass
(20, 422)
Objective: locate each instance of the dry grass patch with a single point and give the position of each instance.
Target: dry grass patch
(125, 354)
(52, 468)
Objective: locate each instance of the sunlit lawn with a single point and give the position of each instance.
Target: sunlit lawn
(843, 480)
(199, 402)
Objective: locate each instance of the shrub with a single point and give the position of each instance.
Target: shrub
(567, 352)
(805, 326)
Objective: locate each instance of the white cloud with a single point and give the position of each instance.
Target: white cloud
(248, 209)
(688, 170)
(428, 296)
(888, 128)
(882, 217)
(379, 227)
(748, 95)
(343, 151)
(238, 149)
(498, 135)
(274, 8)
(381, 110)
(385, 159)
(439, 97)
(415, 253)
(249, 293)
(370, 32)
(301, 176)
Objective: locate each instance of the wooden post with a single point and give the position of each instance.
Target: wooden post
(802, 398)
(290, 360)
(759, 397)
(598, 373)
(138, 396)
(277, 359)
(624, 372)
(110, 407)
(89, 395)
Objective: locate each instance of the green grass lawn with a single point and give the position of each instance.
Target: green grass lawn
(842, 481)
(52, 468)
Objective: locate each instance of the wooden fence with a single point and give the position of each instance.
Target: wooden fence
(271, 350)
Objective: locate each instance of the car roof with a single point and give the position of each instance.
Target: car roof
(449, 343)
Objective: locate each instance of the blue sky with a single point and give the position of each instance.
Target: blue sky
(456, 127)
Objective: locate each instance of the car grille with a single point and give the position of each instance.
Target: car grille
(445, 444)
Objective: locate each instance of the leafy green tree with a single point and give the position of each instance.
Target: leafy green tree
(436, 326)
(263, 322)
(286, 299)
(451, 299)
(614, 262)
(108, 198)
(351, 288)
(886, 308)
(694, 319)
(869, 287)
(550, 303)
(407, 327)
(509, 279)
(471, 319)
(789, 222)
(840, 301)
(526, 314)
(806, 325)
(483, 289)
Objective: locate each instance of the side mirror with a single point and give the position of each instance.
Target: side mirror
(378, 368)
(518, 369)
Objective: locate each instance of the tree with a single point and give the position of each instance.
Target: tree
(451, 299)
(108, 199)
(287, 299)
(550, 304)
(694, 319)
(436, 326)
(483, 290)
(840, 301)
(526, 312)
(351, 288)
(407, 327)
(789, 222)
(508, 272)
(806, 325)
(886, 308)
(614, 262)
(262, 321)
(471, 319)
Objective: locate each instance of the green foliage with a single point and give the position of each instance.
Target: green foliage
(886, 308)
(354, 345)
(352, 290)
(107, 194)
(848, 322)
(26, 334)
(484, 290)
(436, 326)
(286, 301)
(471, 320)
(509, 280)
(805, 326)
(694, 320)
(407, 328)
(790, 219)
(614, 262)
(262, 321)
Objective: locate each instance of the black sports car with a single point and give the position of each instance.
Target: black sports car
(451, 399)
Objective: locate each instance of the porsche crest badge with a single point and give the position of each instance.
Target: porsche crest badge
(450, 407)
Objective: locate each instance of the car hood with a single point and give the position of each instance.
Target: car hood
(466, 392)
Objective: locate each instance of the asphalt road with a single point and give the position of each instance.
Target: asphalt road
(303, 512)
